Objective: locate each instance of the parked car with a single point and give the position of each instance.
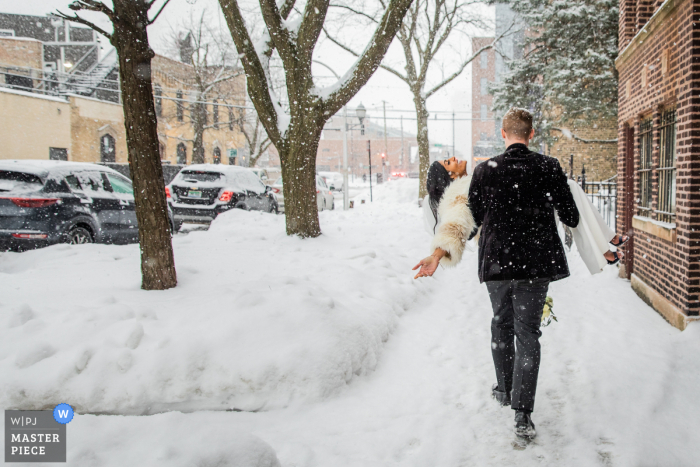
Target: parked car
(261, 173)
(324, 196)
(200, 192)
(334, 180)
(48, 202)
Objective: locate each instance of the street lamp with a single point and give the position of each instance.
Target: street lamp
(361, 113)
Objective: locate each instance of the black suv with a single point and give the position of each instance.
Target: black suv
(47, 202)
(200, 192)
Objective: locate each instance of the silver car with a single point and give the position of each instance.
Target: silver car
(324, 195)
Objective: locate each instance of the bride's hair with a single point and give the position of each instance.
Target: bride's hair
(438, 180)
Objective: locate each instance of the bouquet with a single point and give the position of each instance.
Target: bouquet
(547, 312)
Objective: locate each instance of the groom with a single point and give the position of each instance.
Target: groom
(513, 197)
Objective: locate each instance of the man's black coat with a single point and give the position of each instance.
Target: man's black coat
(513, 197)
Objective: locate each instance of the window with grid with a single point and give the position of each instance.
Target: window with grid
(666, 208)
(646, 128)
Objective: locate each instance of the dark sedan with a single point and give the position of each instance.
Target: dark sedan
(201, 192)
(47, 202)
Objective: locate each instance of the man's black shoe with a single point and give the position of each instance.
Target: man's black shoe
(524, 428)
(502, 397)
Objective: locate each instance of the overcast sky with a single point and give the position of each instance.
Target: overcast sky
(382, 86)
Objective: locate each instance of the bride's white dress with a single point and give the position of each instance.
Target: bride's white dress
(592, 235)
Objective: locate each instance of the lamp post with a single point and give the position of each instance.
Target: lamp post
(361, 113)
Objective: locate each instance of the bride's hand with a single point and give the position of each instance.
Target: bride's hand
(427, 266)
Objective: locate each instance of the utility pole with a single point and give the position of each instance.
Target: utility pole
(386, 143)
(401, 162)
(369, 154)
(454, 151)
(346, 202)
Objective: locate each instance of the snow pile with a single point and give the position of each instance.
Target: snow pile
(259, 320)
(160, 440)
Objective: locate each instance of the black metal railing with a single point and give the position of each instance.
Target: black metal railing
(603, 195)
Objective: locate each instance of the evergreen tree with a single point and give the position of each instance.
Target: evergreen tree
(567, 74)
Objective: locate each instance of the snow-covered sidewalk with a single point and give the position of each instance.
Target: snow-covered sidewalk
(338, 355)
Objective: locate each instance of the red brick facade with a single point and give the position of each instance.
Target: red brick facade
(485, 142)
(658, 71)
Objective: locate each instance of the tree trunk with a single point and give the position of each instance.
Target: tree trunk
(199, 120)
(299, 179)
(131, 41)
(423, 142)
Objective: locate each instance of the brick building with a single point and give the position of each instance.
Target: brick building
(658, 153)
(486, 143)
(401, 151)
(65, 104)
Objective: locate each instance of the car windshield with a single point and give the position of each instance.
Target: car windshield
(19, 181)
(278, 182)
(200, 176)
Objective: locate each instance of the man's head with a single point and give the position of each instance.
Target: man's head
(517, 126)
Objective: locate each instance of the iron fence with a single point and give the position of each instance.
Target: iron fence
(603, 195)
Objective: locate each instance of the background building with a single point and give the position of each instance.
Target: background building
(486, 143)
(657, 150)
(61, 99)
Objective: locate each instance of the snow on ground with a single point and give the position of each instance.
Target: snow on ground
(618, 385)
(258, 319)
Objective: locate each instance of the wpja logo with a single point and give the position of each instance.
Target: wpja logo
(37, 435)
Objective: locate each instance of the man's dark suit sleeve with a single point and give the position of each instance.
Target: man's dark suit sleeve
(476, 202)
(562, 198)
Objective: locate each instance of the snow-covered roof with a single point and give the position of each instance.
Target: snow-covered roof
(34, 95)
(42, 168)
(15, 38)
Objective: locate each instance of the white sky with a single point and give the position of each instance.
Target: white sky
(382, 86)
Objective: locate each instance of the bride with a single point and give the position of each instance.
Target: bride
(448, 217)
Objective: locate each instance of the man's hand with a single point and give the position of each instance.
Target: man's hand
(429, 265)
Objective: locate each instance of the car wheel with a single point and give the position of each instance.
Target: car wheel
(176, 226)
(79, 235)
(333, 205)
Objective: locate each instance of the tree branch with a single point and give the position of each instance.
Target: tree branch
(151, 21)
(466, 62)
(259, 86)
(87, 23)
(92, 5)
(564, 131)
(368, 63)
(310, 28)
(357, 12)
(352, 52)
(279, 35)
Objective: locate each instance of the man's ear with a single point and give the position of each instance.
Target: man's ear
(532, 134)
(503, 133)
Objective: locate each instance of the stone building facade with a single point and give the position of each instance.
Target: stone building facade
(658, 153)
(594, 148)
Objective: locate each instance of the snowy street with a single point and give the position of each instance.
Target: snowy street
(327, 352)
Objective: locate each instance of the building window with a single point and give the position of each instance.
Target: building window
(666, 209)
(484, 60)
(107, 150)
(217, 156)
(646, 128)
(484, 86)
(58, 154)
(230, 119)
(159, 101)
(215, 117)
(181, 154)
(484, 111)
(180, 107)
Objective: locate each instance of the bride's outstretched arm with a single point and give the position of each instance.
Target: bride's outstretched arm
(429, 265)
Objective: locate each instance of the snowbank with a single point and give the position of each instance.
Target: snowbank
(259, 320)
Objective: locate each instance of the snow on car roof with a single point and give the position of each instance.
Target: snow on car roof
(219, 168)
(42, 168)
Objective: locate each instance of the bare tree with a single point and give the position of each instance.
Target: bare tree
(255, 136)
(129, 19)
(296, 134)
(424, 32)
(215, 67)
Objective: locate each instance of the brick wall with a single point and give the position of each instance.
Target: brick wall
(657, 72)
(599, 159)
(483, 130)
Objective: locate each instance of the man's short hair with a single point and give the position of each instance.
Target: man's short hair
(518, 122)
